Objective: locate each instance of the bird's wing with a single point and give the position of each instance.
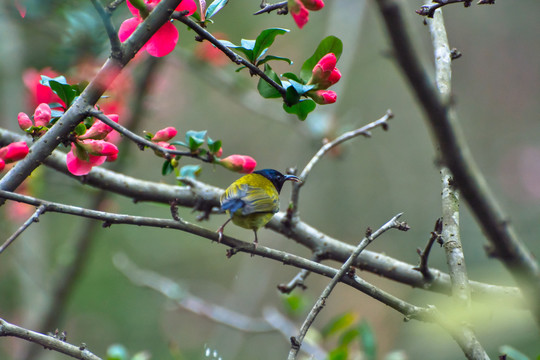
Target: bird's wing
(250, 199)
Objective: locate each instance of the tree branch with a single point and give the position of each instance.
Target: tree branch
(32, 219)
(48, 342)
(200, 196)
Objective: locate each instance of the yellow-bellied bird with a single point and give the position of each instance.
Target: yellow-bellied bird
(252, 200)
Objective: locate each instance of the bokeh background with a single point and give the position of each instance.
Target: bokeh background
(496, 86)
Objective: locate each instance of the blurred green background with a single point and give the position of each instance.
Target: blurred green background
(496, 84)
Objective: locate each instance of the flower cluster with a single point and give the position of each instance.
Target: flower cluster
(42, 117)
(92, 148)
(239, 163)
(324, 75)
(299, 10)
(165, 39)
(12, 152)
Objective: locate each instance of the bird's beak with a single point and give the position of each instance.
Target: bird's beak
(292, 178)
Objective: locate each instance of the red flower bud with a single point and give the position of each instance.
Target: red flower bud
(219, 152)
(2, 164)
(14, 152)
(323, 97)
(24, 121)
(313, 5)
(299, 12)
(165, 134)
(239, 163)
(165, 145)
(42, 115)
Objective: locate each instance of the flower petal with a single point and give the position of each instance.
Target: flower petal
(188, 5)
(163, 41)
(127, 28)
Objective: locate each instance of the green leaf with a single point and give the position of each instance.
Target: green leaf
(330, 44)
(368, 341)
(202, 7)
(301, 109)
(291, 76)
(167, 168)
(266, 90)
(191, 171)
(80, 129)
(213, 146)
(291, 96)
(265, 40)
(248, 52)
(301, 89)
(511, 353)
(66, 92)
(248, 44)
(339, 323)
(339, 353)
(80, 152)
(215, 7)
(272, 57)
(117, 352)
(195, 139)
(178, 142)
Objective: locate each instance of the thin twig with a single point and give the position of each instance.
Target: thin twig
(32, 219)
(237, 59)
(281, 7)
(299, 279)
(48, 342)
(457, 156)
(364, 131)
(142, 142)
(296, 342)
(105, 14)
(424, 254)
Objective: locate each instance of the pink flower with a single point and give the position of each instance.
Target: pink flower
(165, 134)
(98, 147)
(99, 130)
(165, 39)
(239, 163)
(313, 5)
(42, 115)
(299, 10)
(13, 152)
(323, 97)
(40, 93)
(24, 121)
(325, 73)
(79, 166)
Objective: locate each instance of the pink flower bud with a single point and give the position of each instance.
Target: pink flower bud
(2, 164)
(24, 121)
(165, 145)
(165, 134)
(327, 62)
(42, 115)
(99, 130)
(239, 163)
(313, 5)
(332, 78)
(299, 12)
(98, 147)
(323, 97)
(14, 152)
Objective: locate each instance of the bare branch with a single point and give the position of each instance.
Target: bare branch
(458, 158)
(48, 342)
(364, 131)
(32, 219)
(296, 342)
(424, 254)
(105, 14)
(281, 7)
(429, 9)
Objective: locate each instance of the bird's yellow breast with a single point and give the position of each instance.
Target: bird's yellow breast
(257, 200)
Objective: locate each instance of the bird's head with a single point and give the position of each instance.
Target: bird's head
(277, 178)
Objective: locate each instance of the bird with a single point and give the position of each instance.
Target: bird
(252, 200)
